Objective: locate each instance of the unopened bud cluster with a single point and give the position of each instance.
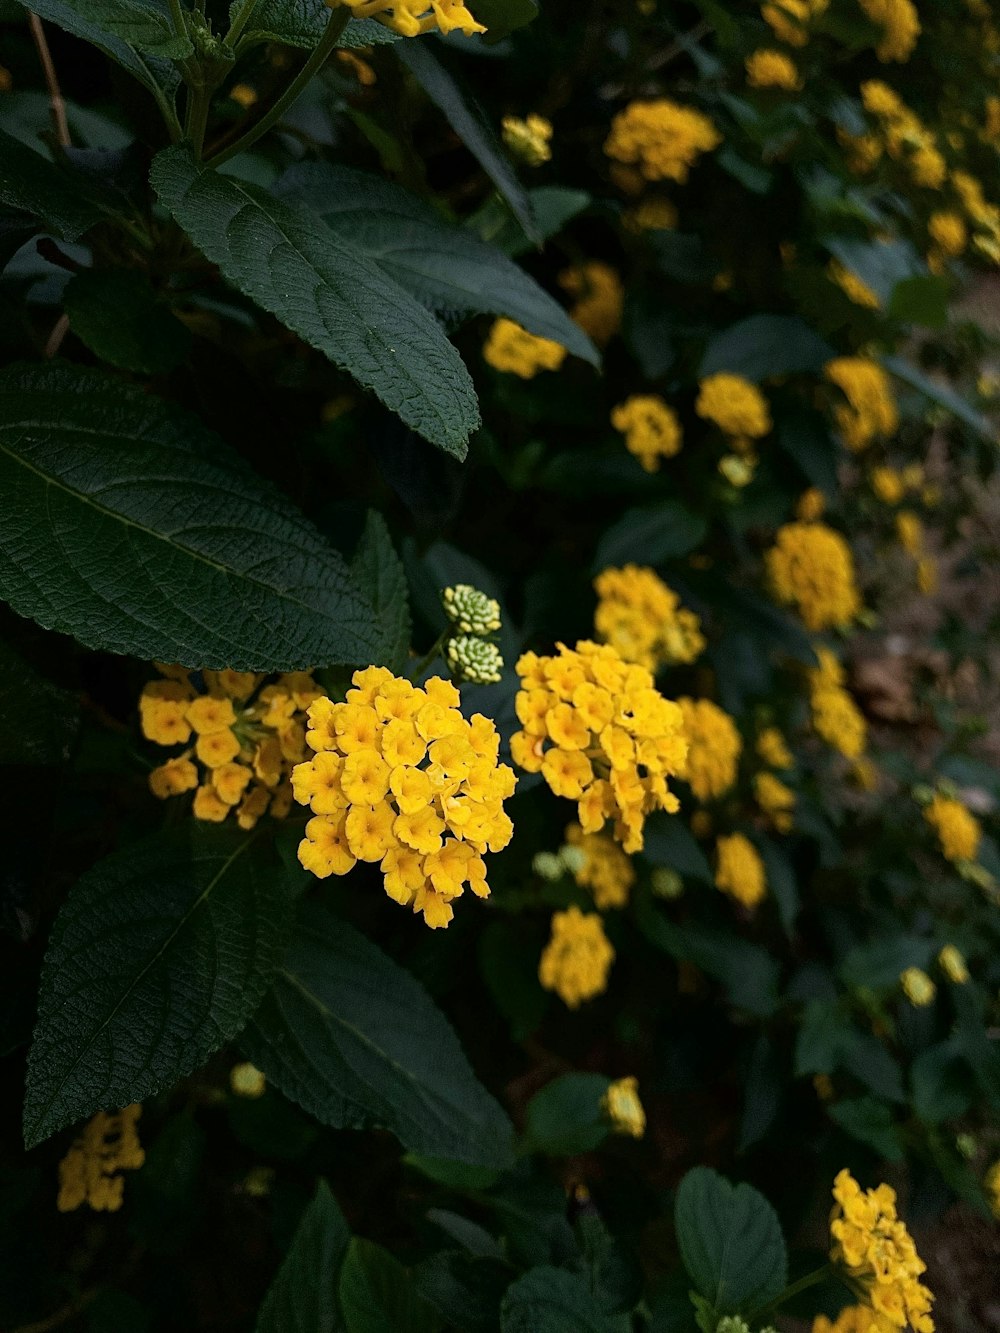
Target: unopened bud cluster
(470, 652)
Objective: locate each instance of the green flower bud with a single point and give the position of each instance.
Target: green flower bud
(470, 610)
(474, 659)
(666, 883)
(547, 865)
(573, 858)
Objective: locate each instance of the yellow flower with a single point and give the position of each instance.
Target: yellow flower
(810, 567)
(516, 351)
(948, 232)
(714, 748)
(411, 17)
(236, 684)
(953, 964)
(423, 796)
(739, 870)
(835, 715)
(172, 778)
(918, 987)
(772, 749)
(576, 961)
(789, 19)
(361, 69)
(617, 770)
(623, 1108)
(642, 619)
(162, 709)
(217, 747)
(888, 485)
(900, 24)
(528, 139)
(209, 805)
(230, 782)
(957, 828)
(603, 867)
(107, 1144)
(650, 427)
(853, 1318)
(735, 405)
(910, 532)
(772, 69)
(870, 410)
(853, 287)
(775, 799)
(207, 714)
(872, 1243)
(246, 1080)
(661, 138)
(881, 100)
(652, 214)
(243, 95)
(600, 298)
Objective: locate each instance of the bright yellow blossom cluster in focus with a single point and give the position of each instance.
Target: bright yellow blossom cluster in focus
(604, 868)
(576, 961)
(651, 429)
(643, 620)
(410, 18)
(870, 411)
(601, 735)
(957, 828)
(599, 298)
(714, 747)
(736, 406)
(517, 352)
(810, 567)
(89, 1173)
(661, 138)
(623, 1108)
(835, 716)
(900, 27)
(790, 19)
(247, 736)
(528, 139)
(772, 69)
(402, 778)
(872, 1243)
(739, 871)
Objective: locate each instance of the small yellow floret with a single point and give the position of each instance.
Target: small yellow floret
(88, 1174)
(623, 1108)
(651, 429)
(739, 870)
(514, 350)
(576, 961)
(528, 139)
(410, 18)
(957, 828)
(772, 69)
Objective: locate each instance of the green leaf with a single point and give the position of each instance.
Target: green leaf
(303, 22)
(160, 954)
(138, 23)
(116, 313)
(91, 469)
(730, 1241)
(465, 1289)
(942, 1087)
(443, 266)
(938, 393)
(86, 22)
(472, 127)
(879, 264)
(922, 299)
(356, 1041)
(31, 184)
(879, 964)
(781, 881)
(650, 535)
(377, 1294)
(565, 1117)
(328, 292)
(552, 206)
(869, 1121)
(379, 573)
(302, 1298)
(550, 1300)
(766, 347)
(669, 842)
(502, 17)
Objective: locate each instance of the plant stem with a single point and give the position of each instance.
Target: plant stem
(338, 22)
(177, 18)
(435, 649)
(51, 80)
(241, 20)
(793, 1289)
(197, 117)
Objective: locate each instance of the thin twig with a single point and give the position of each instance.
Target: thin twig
(56, 102)
(59, 331)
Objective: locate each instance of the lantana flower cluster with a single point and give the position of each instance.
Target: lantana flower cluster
(870, 411)
(643, 620)
(835, 716)
(603, 867)
(576, 961)
(90, 1173)
(515, 351)
(661, 138)
(714, 748)
(651, 429)
(739, 870)
(599, 298)
(957, 828)
(410, 18)
(811, 568)
(401, 778)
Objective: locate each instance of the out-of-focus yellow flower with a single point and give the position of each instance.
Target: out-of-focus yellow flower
(652, 214)
(651, 429)
(776, 800)
(243, 95)
(957, 828)
(246, 1080)
(643, 620)
(735, 405)
(772, 69)
(810, 567)
(811, 505)
(853, 287)
(604, 868)
(361, 69)
(89, 1173)
(516, 351)
(991, 1183)
(888, 485)
(835, 715)
(714, 747)
(900, 27)
(948, 232)
(870, 411)
(739, 870)
(773, 750)
(576, 961)
(953, 965)
(918, 987)
(661, 138)
(623, 1108)
(600, 298)
(528, 139)
(790, 19)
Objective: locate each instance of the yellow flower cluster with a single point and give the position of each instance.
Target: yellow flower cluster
(402, 778)
(790, 19)
(714, 747)
(246, 1080)
(900, 27)
(517, 352)
(853, 287)
(957, 828)
(604, 868)
(623, 1108)
(736, 406)
(661, 138)
(650, 427)
(652, 214)
(248, 735)
(88, 1174)
(772, 69)
(917, 987)
(600, 734)
(904, 135)
(810, 567)
(576, 961)
(772, 749)
(910, 532)
(528, 139)
(853, 1318)
(600, 298)
(870, 410)
(985, 215)
(739, 871)
(643, 620)
(412, 17)
(876, 1249)
(835, 716)
(948, 231)
(776, 800)
(953, 965)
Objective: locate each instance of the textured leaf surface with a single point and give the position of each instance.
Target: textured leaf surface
(142, 24)
(286, 259)
(378, 1295)
(444, 266)
(32, 184)
(379, 573)
(303, 1296)
(730, 1241)
(152, 71)
(116, 313)
(356, 1041)
(159, 955)
(550, 1300)
(117, 530)
(303, 22)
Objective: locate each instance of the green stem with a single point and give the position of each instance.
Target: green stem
(243, 15)
(428, 658)
(802, 1284)
(197, 117)
(338, 22)
(177, 18)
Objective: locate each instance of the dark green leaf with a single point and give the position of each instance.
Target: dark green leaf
(669, 842)
(781, 881)
(942, 1087)
(550, 1300)
(159, 955)
(443, 266)
(650, 535)
(303, 1296)
(921, 300)
(377, 1294)
(472, 127)
(86, 21)
(730, 1241)
(879, 964)
(233, 577)
(565, 1117)
(871, 1122)
(355, 1040)
(762, 1092)
(328, 292)
(879, 264)
(502, 17)
(551, 205)
(31, 184)
(465, 1289)
(766, 347)
(938, 393)
(142, 24)
(116, 313)
(379, 573)
(303, 22)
